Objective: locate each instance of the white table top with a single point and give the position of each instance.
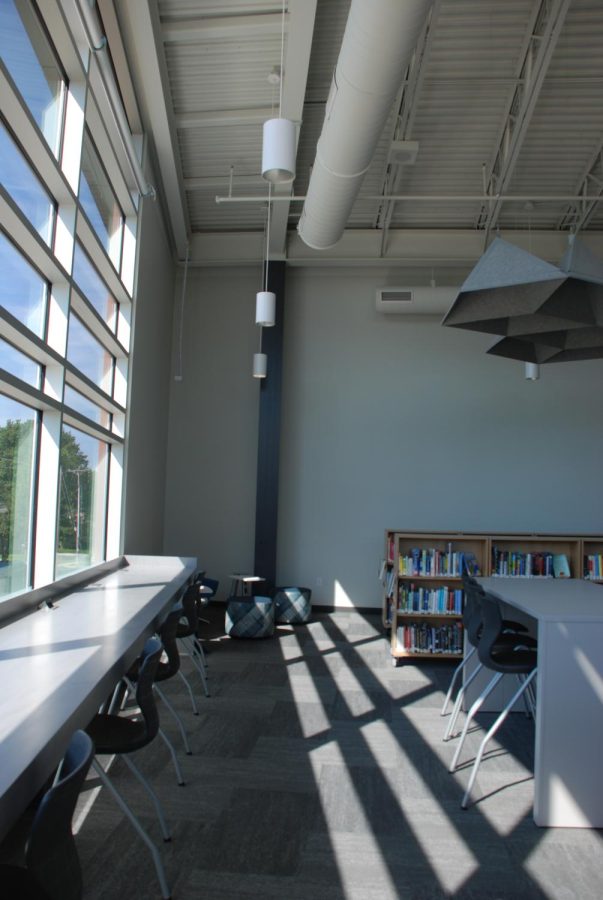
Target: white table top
(550, 599)
(58, 665)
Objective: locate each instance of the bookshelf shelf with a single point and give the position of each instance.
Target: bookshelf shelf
(422, 579)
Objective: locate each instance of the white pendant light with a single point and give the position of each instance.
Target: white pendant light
(279, 135)
(260, 365)
(278, 151)
(532, 371)
(265, 305)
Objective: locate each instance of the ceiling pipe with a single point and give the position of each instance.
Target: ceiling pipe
(377, 45)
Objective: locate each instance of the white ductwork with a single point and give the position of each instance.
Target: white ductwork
(377, 45)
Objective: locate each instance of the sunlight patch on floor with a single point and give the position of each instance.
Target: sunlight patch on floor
(436, 835)
(369, 855)
(304, 692)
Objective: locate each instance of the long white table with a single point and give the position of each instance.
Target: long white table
(58, 665)
(568, 764)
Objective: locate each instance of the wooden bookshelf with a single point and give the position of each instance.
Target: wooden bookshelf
(421, 575)
(592, 558)
(423, 600)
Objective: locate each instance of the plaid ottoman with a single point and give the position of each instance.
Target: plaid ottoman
(293, 605)
(250, 617)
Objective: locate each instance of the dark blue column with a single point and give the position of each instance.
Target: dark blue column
(269, 437)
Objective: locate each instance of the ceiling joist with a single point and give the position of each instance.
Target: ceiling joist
(539, 47)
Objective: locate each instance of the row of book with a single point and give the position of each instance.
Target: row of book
(445, 600)
(433, 562)
(419, 637)
(517, 564)
(593, 566)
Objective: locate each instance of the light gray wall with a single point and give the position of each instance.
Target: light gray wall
(393, 422)
(149, 387)
(386, 422)
(213, 428)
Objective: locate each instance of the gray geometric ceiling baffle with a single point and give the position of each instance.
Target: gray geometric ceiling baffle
(544, 313)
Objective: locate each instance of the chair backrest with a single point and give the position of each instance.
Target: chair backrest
(51, 856)
(167, 635)
(189, 607)
(472, 613)
(144, 686)
(210, 583)
(492, 627)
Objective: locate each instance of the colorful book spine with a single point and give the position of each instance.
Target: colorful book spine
(420, 637)
(432, 562)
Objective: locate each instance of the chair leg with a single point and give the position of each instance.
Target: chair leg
(161, 694)
(455, 675)
(200, 651)
(165, 892)
(491, 732)
(531, 695)
(136, 771)
(172, 750)
(190, 691)
(200, 669)
(459, 702)
(470, 716)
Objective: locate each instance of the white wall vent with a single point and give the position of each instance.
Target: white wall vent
(417, 301)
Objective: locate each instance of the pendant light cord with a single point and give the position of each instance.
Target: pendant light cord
(267, 237)
(280, 95)
(178, 375)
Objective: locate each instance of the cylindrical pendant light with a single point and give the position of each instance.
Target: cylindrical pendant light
(532, 371)
(265, 305)
(278, 151)
(279, 136)
(260, 365)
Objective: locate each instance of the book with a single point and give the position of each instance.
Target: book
(561, 567)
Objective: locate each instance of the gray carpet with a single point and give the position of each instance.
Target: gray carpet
(318, 772)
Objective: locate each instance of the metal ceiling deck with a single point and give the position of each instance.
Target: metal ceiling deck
(471, 72)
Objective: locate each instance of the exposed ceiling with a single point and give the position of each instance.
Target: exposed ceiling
(504, 99)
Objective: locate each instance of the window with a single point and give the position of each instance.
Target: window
(17, 442)
(20, 182)
(23, 291)
(89, 356)
(93, 287)
(17, 363)
(63, 296)
(86, 407)
(82, 502)
(28, 56)
(99, 202)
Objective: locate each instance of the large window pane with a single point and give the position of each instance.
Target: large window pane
(23, 186)
(19, 364)
(93, 287)
(86, 407)
(88, 355)
(17, 442)
(28, 56)
(82, 503)
(23, 291)
(99, 202)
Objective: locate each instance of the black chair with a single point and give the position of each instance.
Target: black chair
(163, 672)
(207, 589)
(167, 670)
(187, 632)
(516, 657)
(473, 626)
(52, 867)
(114, 734)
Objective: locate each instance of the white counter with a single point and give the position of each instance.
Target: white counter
(58, 665)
